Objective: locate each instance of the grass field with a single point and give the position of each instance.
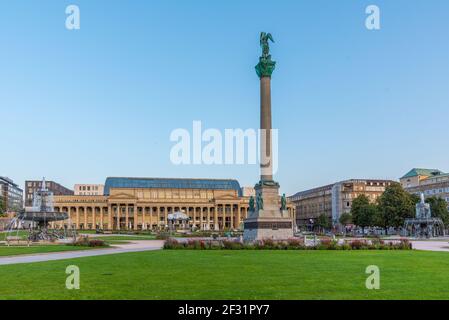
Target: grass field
(188, 274)
(16, 250)
(22, 234)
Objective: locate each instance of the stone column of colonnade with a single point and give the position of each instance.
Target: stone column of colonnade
(92, 221)
(136, 209)
(101, 218)
(126, 217)
(110, 225)
(77, 217)
(118, 214)
(207, 218)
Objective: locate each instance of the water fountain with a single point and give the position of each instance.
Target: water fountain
(36, 220)
(424, 225)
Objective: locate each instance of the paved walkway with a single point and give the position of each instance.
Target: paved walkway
(431, 245)
(134, 246)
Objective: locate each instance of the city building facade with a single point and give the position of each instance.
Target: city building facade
(88, 189)
(34, 185)
(334, 200)
(431, 182)
(10, 195)
(145, 203)
(248, 192)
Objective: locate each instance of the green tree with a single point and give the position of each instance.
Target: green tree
(2, 207)
(363, 212)
(322, 222)
(438, 206)
(345, 219)
(394, 206)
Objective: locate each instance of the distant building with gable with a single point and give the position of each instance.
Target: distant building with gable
(431, 182)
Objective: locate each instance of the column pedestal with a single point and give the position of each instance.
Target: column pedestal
(269, 222)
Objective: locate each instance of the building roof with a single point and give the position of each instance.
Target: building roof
(9, 181)
(422, 172)
(165, 183)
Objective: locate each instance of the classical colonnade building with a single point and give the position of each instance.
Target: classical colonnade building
(145, 203)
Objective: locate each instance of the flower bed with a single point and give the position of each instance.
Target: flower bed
(292, 244)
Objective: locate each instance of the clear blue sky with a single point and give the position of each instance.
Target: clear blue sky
(78, 106)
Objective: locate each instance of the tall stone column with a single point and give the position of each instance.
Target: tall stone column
(266, 217)
(266, 165)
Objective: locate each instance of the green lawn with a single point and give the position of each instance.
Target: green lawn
(21, 233)
(201, 275)
(16, 250)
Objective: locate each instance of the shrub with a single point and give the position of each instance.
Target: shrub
(96, 243)
(268, 244)
(86, 242)
(294, 243)
(172, 244)
(162, 236)
(405, 245)
(232, 245)
(357, 244)
(344, 246)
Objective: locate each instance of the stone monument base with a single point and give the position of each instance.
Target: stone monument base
(270, 222)
(275, 228)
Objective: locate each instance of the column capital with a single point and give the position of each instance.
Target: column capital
(265, 67)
